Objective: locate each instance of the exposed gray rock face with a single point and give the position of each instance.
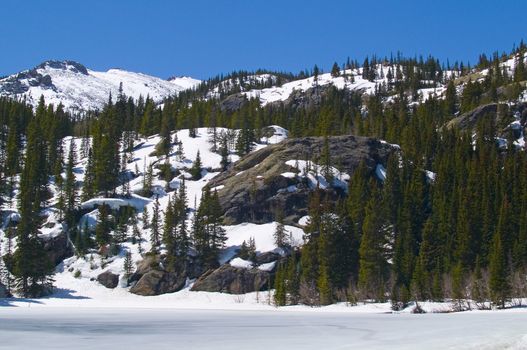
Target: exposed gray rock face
(58, 248)
(71, 65)
(468, 121)
(254, 188)
(502, 115)
(20, 83)
(267, 257)
(233, 280)
(108, 279)
(233, 103)
(152, 278)
(157, 282)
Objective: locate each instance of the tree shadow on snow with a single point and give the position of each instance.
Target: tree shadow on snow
(64, 293)
(58, 293)
(9, 302)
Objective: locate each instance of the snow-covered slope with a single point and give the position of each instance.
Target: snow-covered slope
(81, 89)
(350, 79)
(77, 273)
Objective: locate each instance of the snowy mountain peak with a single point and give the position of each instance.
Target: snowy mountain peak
(72, 66)
(81, 89)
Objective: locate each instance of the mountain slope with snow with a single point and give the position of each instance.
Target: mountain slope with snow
(82, 89)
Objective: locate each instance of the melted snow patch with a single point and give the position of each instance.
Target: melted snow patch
(430, 175)
(115, 203)
(380, 171)
(240, 263)
(313, 173)
(289, 175)
(279, 135)
(267, 267)
(217, 188)
(304, 220)
(263, 235)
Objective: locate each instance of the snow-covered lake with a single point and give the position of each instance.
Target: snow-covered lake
(127, 328)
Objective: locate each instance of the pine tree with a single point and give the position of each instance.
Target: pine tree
(32, 268)
(7, 258)
(224, 152)
(499, 278)
(280, 235)
(293, 279)
(209, 236)
(145, 219)
(5, 276)
(450, 99)
(70, 191)
(148, 176)
(102, 230)
(195, 171)
(180, 210)
(316, 72)
(335, 70)
(88, 189)
(154, 227)
(327, 169)
(279, 287)
(372, 262)
(179, 153)
(213, 224)
(128, 266)
(251, 249)
(169, 227)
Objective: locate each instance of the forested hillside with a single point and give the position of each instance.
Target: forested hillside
(401, 179)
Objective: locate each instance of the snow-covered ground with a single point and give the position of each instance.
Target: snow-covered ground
(59, 328)
(350, 79)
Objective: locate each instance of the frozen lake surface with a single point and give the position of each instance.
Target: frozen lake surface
(118, 328)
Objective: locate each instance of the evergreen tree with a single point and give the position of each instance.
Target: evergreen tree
(224, 152)
(372, 263)
(70, 191)
(209, 236)
(128, 266)
(103, 228)
(499, 278)
(88, 189)
(154, 227)
(195, 171)
(280, 235)
(279, 287)
(327, 169)
(32, 268)
(335, 70)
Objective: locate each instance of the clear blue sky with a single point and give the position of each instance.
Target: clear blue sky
(203, 38)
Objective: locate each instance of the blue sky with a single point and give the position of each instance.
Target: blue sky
(203, 38)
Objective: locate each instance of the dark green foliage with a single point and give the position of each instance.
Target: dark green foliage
(335, 70)
(155, 236)
(499, 283)
(373, 264)
(104, 226)
(128, 265)
(208, 235)
(31, 266)
(195, 171)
